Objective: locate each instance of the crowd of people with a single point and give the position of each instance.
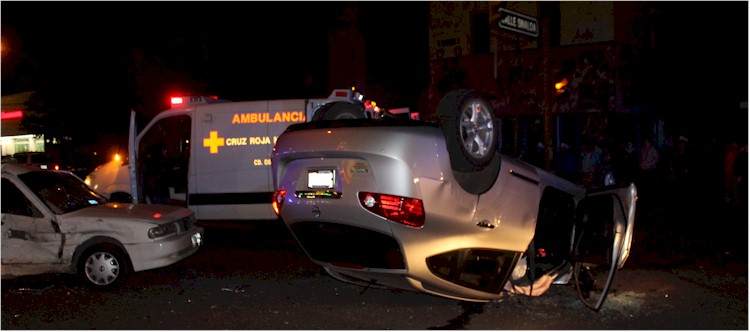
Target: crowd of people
(695, 191)
(715, 168)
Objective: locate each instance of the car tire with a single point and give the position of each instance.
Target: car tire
(338, 111)
(120, 197)
(104, 267)
(470, 136)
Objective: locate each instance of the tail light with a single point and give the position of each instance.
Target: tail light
(403, 210)
(278, 200)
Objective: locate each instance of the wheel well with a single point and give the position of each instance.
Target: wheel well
(94, 242)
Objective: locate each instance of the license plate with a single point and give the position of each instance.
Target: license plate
(321, 179)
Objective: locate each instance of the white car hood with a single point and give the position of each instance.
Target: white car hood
(155, 214)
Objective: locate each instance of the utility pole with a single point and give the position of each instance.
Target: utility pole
(548, 94)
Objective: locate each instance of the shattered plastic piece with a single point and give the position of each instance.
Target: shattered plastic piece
(32, 291)
(237, 289)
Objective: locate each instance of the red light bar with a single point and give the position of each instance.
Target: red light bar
(177, 100)
(11, 115)
(342, 94)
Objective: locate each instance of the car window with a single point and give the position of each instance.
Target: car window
(13, 201)
(61, 192)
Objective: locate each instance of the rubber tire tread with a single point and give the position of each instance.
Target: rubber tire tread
(449, 112)
(338, 111)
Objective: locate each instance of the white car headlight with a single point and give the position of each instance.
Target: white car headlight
(162, 230)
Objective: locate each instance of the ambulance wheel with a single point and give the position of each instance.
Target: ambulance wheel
(468, 125)
(338, 111)
(104, 266)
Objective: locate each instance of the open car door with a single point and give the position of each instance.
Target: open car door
(31, 241)
(603, 234)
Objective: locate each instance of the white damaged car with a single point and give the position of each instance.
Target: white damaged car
(52, 222)
(436, 208)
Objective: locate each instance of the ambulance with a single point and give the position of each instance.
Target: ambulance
(214, 156)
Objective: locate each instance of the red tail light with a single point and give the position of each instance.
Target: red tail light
(278, 201)
(403, 210)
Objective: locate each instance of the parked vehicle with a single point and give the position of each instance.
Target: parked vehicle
(37, 159)
(212, 155)
(111, 180)
(434, 207)
(52, 222)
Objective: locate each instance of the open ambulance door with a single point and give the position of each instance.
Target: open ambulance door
(603, 234)
(132, 164)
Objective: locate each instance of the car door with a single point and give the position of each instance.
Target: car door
(603, 235)
(28, 236)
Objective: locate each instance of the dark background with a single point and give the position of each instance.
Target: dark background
(94, 59)
(90, 63)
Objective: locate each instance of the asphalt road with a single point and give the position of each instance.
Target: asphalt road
(254, 276)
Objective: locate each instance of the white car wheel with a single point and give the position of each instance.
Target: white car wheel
(104, 267)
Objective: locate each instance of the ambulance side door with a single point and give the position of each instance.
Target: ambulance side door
(230, 147)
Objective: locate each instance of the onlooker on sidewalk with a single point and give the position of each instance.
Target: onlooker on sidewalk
(730, 180)
(564, 164)
(740, 171)
(647, 163)
(589, 164)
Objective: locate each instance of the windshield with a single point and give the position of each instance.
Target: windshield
(61, 192)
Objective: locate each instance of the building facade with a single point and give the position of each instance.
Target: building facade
(555, 72)
(14, 139)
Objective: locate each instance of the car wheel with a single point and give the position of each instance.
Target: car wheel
(468, 125)
(338, 111)
(104, 266)
(120, 197)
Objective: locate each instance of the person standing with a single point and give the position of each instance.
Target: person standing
(649, 157)
(647, 163)
(730, 179)
(589, 164)
(565, 163)
(156, 173)
(740, 170)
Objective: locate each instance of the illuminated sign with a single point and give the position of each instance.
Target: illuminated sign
(267, 118)
(518, 22)
(213, 142)
(11, 115)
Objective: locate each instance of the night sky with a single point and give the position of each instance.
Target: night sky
(104, 58)
(234, 50)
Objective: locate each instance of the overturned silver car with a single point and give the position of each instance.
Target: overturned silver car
(435, 208)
